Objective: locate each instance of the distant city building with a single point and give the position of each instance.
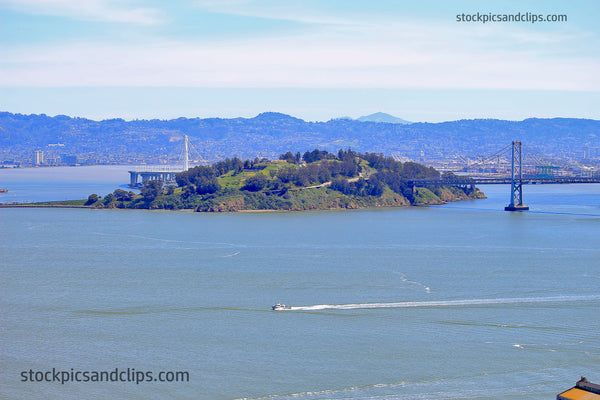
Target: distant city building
(38, 157)
(68, 159)
(591, 152)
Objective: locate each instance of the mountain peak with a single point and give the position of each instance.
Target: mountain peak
(275, 116)
(383, 117)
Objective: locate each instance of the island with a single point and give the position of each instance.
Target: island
(315, 180)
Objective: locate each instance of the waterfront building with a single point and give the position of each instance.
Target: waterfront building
(68, 159)
(583, 390)
(38, 157)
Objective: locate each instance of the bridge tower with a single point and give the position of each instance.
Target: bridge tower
(186, 150)
(516, 182)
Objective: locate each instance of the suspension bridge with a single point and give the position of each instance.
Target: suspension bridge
(165, 173)
(534, 169)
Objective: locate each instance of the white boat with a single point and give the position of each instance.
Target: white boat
(279, 307)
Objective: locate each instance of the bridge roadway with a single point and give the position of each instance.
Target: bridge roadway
(165, 174)
(501, 181)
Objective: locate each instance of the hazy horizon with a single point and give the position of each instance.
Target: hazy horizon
(312, 59)
(290, 115)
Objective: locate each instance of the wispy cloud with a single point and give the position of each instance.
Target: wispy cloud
(407, 60)
(88, 10)
(342, 50)
(306, 11)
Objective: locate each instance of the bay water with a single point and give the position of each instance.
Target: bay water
(29, 185)
(461, 301)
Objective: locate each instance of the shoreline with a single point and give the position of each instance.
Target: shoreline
(91, 207)
(33, 205)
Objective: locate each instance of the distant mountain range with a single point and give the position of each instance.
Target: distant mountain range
(271, 134)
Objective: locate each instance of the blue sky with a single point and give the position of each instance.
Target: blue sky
(312, 59)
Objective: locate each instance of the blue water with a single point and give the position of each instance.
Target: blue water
(462, 301)
(27, 185)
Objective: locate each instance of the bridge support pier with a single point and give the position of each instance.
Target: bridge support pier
(516, 182)
(516, 208)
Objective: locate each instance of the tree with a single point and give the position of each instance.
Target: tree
(187, 177)
(203, 178)
(151, 190)
(288, 174)
(92, 198)
(349, 168)
(109, 198)
(413, 170)
(342, 185)
(346, 155)
(288, 157)
(315, 155)
(223, 167)
(207, 185)
(121, 195)
(255, 183)
(374, 187)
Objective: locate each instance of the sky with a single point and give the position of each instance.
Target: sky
(313, 59)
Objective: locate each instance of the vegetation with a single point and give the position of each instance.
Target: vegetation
(315, 180)
(60, 203)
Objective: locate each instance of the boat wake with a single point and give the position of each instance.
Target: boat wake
(447, 303)
(405, 279)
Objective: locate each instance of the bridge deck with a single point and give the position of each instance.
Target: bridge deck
(500, 181)
(165, 175)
